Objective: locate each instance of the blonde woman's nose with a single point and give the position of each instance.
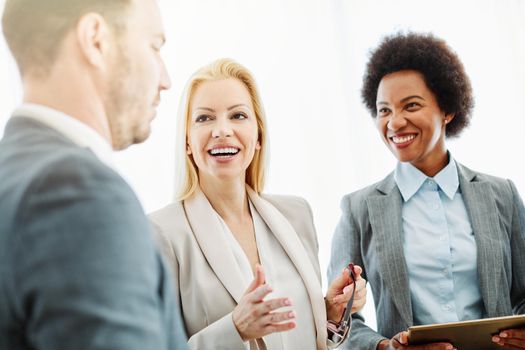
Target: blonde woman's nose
(222, 128)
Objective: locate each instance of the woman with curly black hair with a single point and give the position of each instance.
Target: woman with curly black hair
(438, 242)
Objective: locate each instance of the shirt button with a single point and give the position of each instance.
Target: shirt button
(447, 307)
(442, 238)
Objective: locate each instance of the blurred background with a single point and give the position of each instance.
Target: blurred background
(308, 57)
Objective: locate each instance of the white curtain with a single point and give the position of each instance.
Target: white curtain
(308, 57)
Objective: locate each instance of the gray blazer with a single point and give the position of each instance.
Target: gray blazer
(370, 234)
(78, 265)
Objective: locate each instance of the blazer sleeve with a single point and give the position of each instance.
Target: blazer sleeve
(346, 249)
(87, 274)
(518, 257)
(221, 334)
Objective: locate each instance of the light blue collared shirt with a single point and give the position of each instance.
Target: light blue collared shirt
(439, 247)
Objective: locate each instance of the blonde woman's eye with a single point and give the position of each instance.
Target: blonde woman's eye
(239, 116)
(202, 118)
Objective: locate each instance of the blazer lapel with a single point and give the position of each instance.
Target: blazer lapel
(481, 207)
(386, 221)
(207, 228)
(289, 240)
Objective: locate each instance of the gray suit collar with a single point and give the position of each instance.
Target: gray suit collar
(23, 125)
(385, 218)
(481, 207)
(386, 185)
(35, 134)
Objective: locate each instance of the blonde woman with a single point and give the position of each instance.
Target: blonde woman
(245, 263)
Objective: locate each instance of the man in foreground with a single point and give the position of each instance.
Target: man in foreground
(78, 265)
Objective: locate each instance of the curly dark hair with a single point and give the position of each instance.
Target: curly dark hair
(441, 68)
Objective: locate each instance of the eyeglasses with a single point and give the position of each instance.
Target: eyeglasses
(338, 331)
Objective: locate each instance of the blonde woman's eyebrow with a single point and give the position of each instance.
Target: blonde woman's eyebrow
(238, 105)
(206, 109)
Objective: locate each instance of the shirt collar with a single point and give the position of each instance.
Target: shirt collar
(76, 131)
(448, 179)
(409, 179)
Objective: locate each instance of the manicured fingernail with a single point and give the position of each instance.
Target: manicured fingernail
(291, 314)
(268, 288)
(287, 302)
(503, 335)
(495, 339)
(449, 347)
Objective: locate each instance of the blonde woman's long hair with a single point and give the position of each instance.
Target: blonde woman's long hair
(186, 172)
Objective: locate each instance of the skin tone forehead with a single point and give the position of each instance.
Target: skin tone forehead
(400, 86)
(220, 94)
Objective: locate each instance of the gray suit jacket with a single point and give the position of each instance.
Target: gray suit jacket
(370, 234)
(78, 265)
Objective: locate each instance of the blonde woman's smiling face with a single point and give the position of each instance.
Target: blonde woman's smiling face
(222, 135)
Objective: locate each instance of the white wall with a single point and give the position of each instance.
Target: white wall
(308, 57)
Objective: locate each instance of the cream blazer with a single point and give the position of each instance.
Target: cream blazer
(209, 281)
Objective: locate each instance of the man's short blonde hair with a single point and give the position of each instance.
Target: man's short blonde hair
(35, 29)
(187, 179)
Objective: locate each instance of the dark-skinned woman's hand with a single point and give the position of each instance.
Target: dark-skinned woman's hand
(400, 342)
(510, 339)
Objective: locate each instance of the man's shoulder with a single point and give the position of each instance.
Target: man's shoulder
(79, 165)
(30, 151)
(58, 174)
(69, 168)
(77, 176)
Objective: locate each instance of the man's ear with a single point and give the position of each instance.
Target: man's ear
(94, 38)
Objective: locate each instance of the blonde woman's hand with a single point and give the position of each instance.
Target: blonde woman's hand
(255, 317)
(340, 291)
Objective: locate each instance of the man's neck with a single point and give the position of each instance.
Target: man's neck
(74, 98)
